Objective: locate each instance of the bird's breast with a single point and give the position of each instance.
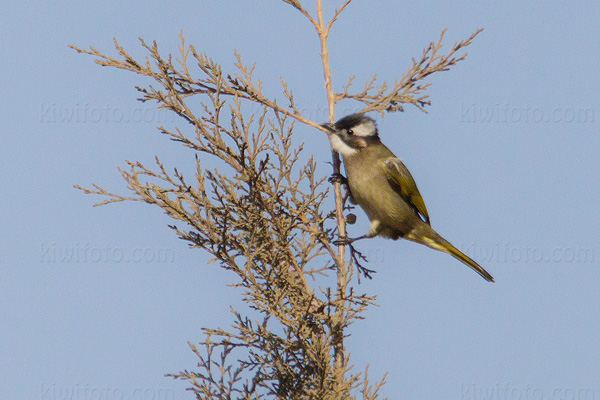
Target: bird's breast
(371, 190)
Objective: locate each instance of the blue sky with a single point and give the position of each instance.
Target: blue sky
(100, 302)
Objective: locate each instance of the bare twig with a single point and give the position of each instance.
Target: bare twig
(408, 90)
(259, 213)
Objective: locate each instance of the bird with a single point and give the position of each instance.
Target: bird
(383, 187)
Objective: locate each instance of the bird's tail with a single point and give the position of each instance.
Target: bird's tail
(435, 241)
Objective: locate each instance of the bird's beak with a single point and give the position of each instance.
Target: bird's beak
(330, 127)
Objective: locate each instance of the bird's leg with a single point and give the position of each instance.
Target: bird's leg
(348, 195)
(373, 231)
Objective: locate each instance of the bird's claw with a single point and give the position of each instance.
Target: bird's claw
(343, 241)
(338, 178)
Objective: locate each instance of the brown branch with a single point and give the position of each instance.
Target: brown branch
(180, 84)
(335, 16)
(259, 215)
(408, 90)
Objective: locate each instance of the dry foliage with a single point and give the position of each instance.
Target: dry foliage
(263, 219)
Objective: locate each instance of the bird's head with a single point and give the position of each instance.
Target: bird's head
(352, 133)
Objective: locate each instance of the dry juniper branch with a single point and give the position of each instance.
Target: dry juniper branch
(260, 214)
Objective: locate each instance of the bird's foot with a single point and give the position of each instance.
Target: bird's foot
(338, 178)
(345, 241)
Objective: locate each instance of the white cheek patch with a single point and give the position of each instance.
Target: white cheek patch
(365, 129)
(338, 145)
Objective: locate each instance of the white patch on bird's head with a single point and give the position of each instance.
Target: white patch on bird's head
(338, 145)
(365, 128)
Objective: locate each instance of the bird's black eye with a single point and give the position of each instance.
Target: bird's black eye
(350, 132)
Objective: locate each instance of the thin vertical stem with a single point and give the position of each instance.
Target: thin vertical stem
(342, 275)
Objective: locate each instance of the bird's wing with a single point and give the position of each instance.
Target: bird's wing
(404, 184)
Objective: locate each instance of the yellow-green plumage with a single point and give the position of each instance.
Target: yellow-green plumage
(393, 199)
(384, 188)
